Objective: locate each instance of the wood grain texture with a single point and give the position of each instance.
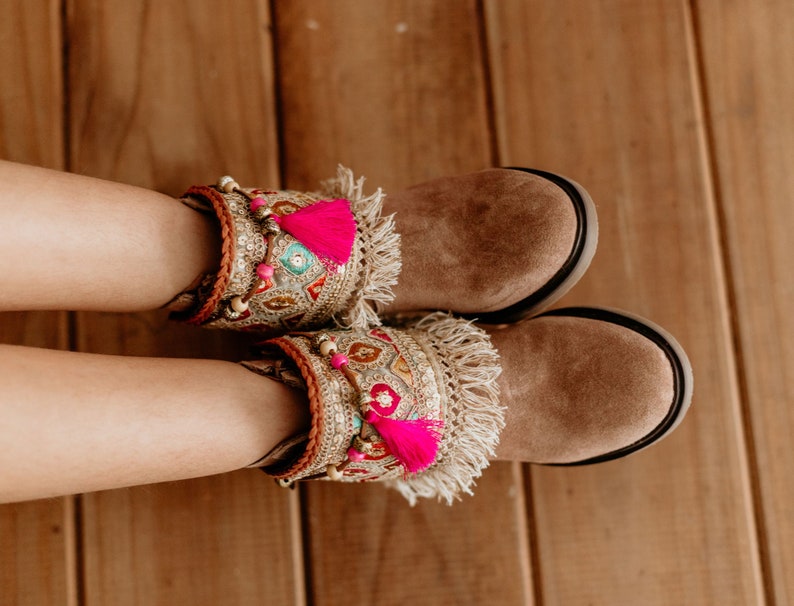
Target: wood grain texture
(169, 93)
(31, 98)
(747, 49)
(216, 540)
(469, 553)
(397, 91)
(393, 89)
(165, 95)
(606, 93)
(35, 568)
(37, 548)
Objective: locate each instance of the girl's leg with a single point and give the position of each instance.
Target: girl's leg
(78, 243)
(74, 422)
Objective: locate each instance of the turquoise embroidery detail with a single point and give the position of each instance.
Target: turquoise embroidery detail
(297, 259)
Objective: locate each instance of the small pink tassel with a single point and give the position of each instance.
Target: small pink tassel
(413, 442)
(327, 228)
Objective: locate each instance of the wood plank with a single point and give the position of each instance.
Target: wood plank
(605, 92)
(165, 95)
(394, 90)
(37, 548)
(397, 92)
(748, 64)
(34, 565)
(477, 549)
(31, 99)
(216, 540)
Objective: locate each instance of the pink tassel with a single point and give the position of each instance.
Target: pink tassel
(327, 228)
(413, 442)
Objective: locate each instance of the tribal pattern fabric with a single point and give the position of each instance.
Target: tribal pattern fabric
(374, 393)
(270, 281)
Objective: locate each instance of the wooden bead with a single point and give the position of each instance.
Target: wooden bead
(327, 348)
(238, 305)
(227, 184)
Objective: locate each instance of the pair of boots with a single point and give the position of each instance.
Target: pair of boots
(424, 401)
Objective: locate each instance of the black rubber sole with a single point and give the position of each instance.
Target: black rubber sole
(573, 268)
(682, 375)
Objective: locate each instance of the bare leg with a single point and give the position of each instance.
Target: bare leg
(73, 422)
(77, 243)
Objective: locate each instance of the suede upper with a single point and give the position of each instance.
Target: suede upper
(577, 388)
(480, 242)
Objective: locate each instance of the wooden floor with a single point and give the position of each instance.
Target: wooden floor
(676, 115)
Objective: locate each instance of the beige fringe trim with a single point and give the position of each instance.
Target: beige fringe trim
(474, 417)
(380, 248)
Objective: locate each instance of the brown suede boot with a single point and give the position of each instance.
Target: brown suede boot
(420, 406)
(499, 244)
(596, 385)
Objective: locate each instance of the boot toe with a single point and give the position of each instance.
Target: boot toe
(592, 385)
(497, 244)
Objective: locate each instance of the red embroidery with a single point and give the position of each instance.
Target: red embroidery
(315, 288)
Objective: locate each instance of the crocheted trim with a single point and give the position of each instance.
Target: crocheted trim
(380, 250)
(464, 357)
(316, 409)
(221, 282)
